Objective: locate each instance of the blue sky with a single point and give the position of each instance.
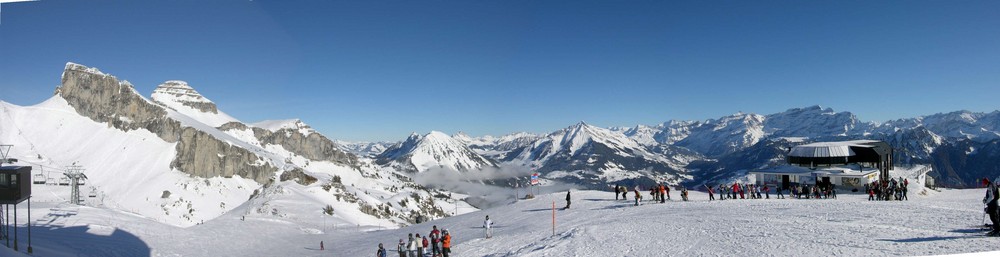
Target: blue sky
(378, 70)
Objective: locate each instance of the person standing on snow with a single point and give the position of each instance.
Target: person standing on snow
(488, 227)
(423, 250)
(381, 251)
(567, 199)
(991, 207)
(435, 241)
(420, 245)
(401, 248)
(711, 194)
(446, 244)
(637, 196)
(663, 192)
(411, 246)
(617, 191)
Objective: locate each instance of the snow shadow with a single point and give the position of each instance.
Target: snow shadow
(970, 230)
(92, 240)
(600, 200)
(927, 239)
(614, 207)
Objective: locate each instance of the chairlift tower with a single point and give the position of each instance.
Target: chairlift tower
(4, 151)
(74, 173)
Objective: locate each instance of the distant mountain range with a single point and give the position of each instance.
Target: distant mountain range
(715, 150)
(178, 158)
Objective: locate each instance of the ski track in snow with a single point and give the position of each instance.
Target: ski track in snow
(942, 223)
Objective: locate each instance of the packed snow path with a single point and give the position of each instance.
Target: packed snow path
(597, 225)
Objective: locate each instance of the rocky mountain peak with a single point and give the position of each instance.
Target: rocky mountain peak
(178, 94)
(103, 98)
(293, 124)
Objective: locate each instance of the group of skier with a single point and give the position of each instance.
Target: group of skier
(814, 192)
(887, 191)
(659, 193)
(439, 244)
(743, 191)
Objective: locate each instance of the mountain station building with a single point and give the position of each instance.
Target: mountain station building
(847, 164)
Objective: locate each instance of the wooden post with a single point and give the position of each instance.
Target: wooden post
(553, 217)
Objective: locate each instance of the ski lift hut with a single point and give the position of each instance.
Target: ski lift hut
(14, 184)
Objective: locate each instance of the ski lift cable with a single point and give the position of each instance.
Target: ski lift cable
(18, 128)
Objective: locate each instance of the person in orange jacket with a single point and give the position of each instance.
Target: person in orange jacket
(446, 244)
(663, 192)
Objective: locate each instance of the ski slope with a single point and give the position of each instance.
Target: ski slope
(597, 225)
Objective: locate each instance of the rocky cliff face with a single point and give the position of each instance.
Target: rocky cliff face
(308, 144)
(313, 146)
(104, 98)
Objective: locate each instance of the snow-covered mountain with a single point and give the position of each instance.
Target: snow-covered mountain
(965, 163)
(434, 150)
(739, 135)
(497, 147)
(813, 121)
(293, 124)
(977, 126)
(169, 160)
(724, 135)
(179, 96)
(592, 155)
(365, 149)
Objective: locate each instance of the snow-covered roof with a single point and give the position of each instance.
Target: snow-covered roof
(828, 149)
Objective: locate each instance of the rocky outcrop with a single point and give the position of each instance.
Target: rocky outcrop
(201, 154)
(313, 146)
(299, 176)
(104, 98)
